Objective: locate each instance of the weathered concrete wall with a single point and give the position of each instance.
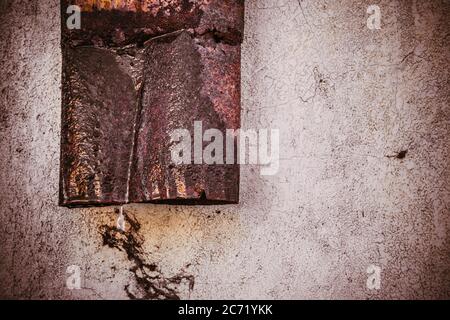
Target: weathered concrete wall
(346, 99)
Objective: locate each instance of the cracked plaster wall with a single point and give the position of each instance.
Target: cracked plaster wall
(347, 101)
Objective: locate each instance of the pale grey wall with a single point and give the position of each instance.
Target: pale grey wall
(345, 99)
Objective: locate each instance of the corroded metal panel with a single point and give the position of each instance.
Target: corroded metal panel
(133, 73)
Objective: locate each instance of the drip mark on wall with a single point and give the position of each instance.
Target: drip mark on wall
(150, 282)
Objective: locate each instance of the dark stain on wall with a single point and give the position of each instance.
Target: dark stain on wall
(150, 282)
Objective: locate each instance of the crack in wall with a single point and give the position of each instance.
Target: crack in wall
(151, 283)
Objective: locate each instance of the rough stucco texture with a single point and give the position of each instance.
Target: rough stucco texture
(346, 99)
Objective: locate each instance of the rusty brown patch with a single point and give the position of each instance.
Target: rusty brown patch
(133, 73)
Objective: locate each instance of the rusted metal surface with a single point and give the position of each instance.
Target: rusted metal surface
(133, 73)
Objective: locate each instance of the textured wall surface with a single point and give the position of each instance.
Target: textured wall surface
(364, 171)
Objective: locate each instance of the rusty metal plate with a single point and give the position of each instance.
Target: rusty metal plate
(133, 73)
